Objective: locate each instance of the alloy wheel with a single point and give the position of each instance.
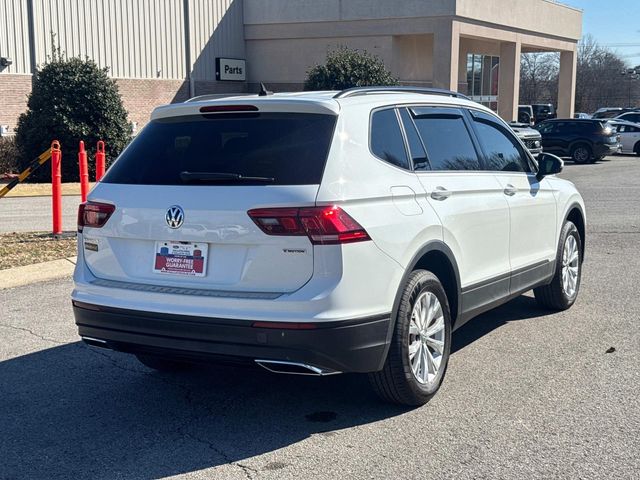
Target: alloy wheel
(570, 266)
(581, 155)
(426, 338)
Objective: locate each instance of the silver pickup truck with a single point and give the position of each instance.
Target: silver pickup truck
(531, 137)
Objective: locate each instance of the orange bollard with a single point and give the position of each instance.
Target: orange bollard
(100, 161)
(84, 172)
(56, 186)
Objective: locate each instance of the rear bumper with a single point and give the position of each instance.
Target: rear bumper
(357, 345)
(604, 149)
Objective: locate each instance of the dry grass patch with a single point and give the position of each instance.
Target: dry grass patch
(19, 249)
(40, 189)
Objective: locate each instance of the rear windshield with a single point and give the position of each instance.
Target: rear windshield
(290, 148)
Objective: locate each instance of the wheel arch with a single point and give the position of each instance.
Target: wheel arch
(580, 141)
(575, 214)
(438, 258)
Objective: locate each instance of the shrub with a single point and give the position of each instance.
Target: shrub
(346, 68)
(8, 155)
(72, 100)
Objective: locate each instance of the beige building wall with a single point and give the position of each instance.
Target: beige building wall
(412, 59)
(14, 36)
(139, 39)
(142, 42)
(216, 30)
(284, 62)
(422, 42)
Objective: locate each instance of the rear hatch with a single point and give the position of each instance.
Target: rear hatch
(182, 190)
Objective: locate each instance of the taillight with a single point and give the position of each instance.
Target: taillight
(94, 214)
(323, 225)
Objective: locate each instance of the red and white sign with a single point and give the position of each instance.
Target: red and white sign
(181, 258)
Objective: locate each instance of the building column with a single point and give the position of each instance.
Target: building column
(509, 81)
(446, 51)
(567, 84)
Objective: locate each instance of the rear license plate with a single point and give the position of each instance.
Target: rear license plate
(181, 258)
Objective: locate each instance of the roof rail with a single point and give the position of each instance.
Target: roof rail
(217, 96)
(356, 91)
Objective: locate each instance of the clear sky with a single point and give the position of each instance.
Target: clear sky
(612, 22)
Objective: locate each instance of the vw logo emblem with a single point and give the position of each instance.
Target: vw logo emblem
(174, 216)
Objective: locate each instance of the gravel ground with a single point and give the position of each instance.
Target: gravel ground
(528, 394)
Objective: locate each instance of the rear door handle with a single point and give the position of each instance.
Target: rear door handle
(510, 190)
(440, 194)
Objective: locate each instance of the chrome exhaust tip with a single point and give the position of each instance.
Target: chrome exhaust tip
(294, 368)
(95, 342)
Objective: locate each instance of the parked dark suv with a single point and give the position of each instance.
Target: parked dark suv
(543, 111)
(582, 140)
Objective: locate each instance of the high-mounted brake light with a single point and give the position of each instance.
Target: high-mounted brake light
(228, 108)
(94, 214)
(323, 225)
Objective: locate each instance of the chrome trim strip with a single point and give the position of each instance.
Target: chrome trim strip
(199, 292)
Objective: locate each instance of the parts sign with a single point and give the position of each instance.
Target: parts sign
(231, 69)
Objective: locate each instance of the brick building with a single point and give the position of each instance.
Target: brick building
(162, 51)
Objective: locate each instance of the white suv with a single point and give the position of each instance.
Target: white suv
(321, 232)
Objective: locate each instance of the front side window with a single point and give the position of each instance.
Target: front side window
(545, 127)
(387, 142)
(503, 152)
(446, 138)
(566, 127)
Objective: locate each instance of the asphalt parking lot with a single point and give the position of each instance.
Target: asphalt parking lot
(28, 214)
(528, 394)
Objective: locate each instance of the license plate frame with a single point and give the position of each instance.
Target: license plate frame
(181, 259)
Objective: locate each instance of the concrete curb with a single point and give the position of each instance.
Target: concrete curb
(38, 272)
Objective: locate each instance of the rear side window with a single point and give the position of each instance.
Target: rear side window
(290, 148)
(446, 139)
(387, 142)
(502, 151)
(575, 127)
(418, 154)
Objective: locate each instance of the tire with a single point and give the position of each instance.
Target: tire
(397, 382)
(581, 153)
(161, 364)
(556, 296)
(636, 149)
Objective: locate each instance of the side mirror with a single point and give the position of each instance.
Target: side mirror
(548, 165)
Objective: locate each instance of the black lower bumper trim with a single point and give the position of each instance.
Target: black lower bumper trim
(356, 345)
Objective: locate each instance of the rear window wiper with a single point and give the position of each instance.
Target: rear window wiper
(215, 177)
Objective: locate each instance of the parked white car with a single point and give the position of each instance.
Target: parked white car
(629, 134)
(322, 232)
(633, 117)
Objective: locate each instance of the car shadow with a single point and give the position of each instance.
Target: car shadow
(520, 308)
(74, 411)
